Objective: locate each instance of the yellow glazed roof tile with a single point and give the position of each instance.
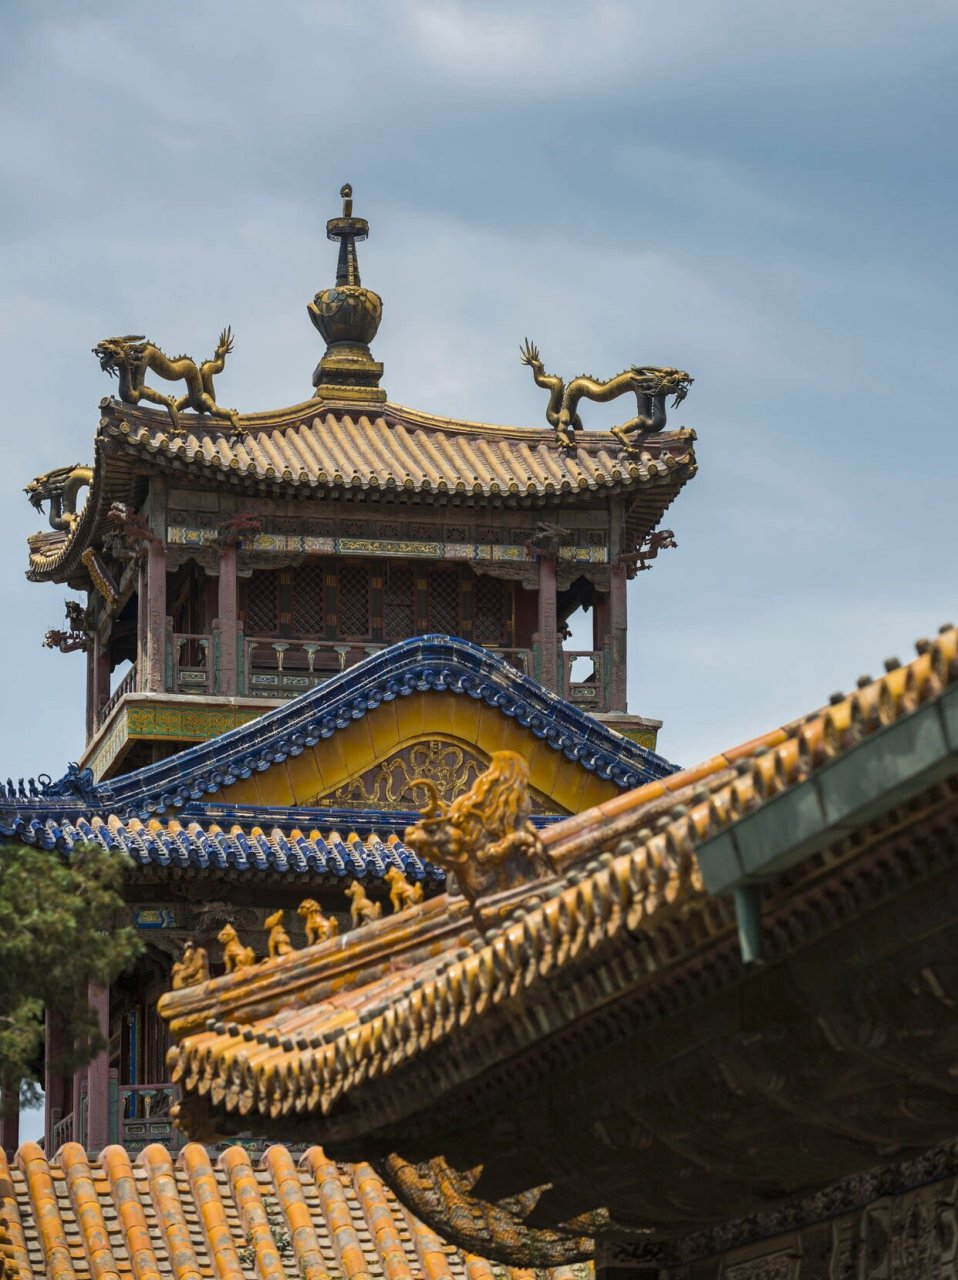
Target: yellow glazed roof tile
(629, 863)
(345, 451)
(236, 1217)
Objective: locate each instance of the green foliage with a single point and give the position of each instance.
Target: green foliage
(58, 933)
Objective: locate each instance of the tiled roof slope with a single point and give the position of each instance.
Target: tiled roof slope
(343, 452)
(439, 663)
(297, 851)
(80, 1218)
(628, 867)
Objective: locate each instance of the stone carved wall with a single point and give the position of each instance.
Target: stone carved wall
(913, 1236)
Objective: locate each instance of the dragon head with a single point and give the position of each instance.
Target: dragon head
(36, 492)
(669, 382)
(49, 485)
(114, 353)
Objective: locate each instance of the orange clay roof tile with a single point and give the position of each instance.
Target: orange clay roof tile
(235, 1217)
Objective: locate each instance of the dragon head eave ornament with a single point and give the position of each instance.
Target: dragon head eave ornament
(60, 488)
(651, 385)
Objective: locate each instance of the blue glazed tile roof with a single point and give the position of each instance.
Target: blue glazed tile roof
(212, 833)
(297, 851)
(424, 663)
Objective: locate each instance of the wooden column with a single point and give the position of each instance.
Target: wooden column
(100, 681)
(155, 619)
(618, 625)
(54, 1083)
(141, 608)
(10, 1125)
(548, 630)
(91, 707)
(98, 1076)
(227, 612)
(618, 620)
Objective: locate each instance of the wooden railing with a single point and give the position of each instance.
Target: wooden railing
(61, 1132)
(281, 668)
(521, 659)
(192, 665)
(284, 668)
(145, 1116)
(590, 691)
(126, 685)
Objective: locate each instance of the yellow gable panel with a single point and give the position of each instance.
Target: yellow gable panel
(443, 736)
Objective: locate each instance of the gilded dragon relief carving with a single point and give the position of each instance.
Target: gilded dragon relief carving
(388, 786)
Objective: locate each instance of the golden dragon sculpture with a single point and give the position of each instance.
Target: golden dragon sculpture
(650, 385)
(60, 488)
(131, 356)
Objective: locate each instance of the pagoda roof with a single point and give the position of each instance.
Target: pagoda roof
(234, 1216)
(632, 887)
(387, 452)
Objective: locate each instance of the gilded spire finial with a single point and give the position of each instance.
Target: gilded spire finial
(348, 317)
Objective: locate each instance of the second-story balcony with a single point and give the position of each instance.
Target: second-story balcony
(186, 700)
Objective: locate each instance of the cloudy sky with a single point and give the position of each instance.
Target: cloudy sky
(762, 194)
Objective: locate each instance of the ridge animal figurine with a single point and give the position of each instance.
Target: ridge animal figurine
(235, 955)
(193, 969)
(318, 926)
(484, 836)
(363, 910)
(402, 894)
(279, 943)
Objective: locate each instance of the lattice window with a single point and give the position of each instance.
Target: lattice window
(444, 602)
(354, 602)
(391, 530)
(261, 613)
(355, 529)
(398, 612)
(309, 617)
(457, 533)
(488, 622)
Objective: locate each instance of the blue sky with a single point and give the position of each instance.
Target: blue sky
(761, 194)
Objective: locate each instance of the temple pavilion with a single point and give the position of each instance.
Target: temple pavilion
(291, 618)
(466, 981)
